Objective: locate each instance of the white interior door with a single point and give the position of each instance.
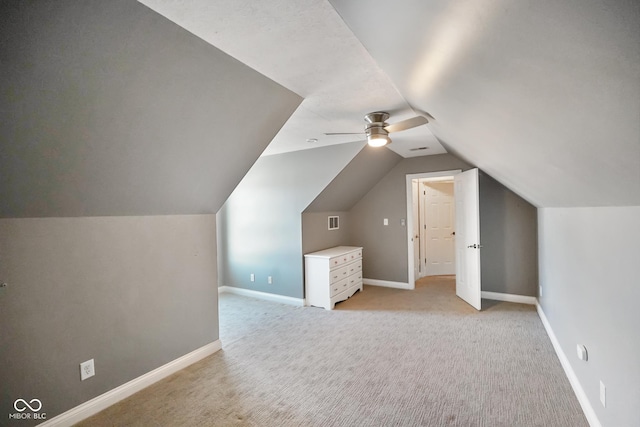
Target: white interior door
(468, 237)
(439, 253)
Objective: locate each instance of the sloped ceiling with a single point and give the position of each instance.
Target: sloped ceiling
(542, 95)
(355, 180)
(107, 108)
(305, 46)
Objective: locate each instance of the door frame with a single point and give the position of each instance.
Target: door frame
(410, 177)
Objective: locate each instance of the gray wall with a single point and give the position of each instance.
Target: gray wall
(133, 293)
(590, 294)
(260, 225)
(385, 247)
(337, 198)
(108, 108)
(509, 237)
(316, 234)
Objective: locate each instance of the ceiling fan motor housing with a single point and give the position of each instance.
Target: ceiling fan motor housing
(376, 123)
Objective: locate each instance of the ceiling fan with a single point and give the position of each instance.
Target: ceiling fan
(378, 130)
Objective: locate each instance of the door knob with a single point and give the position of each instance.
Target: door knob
(474, 246)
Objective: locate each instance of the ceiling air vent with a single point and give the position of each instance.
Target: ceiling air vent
(418, 149)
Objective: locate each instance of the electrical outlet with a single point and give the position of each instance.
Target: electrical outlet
(87, 370)
(603, 394)
(253, 277)
(270, 280)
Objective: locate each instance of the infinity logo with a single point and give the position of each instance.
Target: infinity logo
(26, 405)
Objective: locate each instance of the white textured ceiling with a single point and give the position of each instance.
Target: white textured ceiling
(543, 95)
(306, 47)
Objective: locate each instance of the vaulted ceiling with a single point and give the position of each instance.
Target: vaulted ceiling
(161, 106)
(542, 95)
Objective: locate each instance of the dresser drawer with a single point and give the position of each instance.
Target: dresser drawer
(355, 255)
(339, 286)
(354, 267)
(354, 279)
(339, 260)
(339, 273)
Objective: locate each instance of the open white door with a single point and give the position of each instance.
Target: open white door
(468, 237)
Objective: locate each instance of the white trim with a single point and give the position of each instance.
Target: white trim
(387, 284)
(589, 412)
(97, 404)
(409, 178)
(299, 302)
(520, 299)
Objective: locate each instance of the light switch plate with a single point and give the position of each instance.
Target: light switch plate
(582, 352)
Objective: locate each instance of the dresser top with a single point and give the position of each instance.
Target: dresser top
(331, 252)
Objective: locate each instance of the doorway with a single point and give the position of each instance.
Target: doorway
(467, 229)
(433, 191)
(435, 227)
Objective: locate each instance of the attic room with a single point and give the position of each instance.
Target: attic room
(155, 151)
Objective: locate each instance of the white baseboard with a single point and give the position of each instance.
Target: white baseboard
(111, 397)
(262, 295)
(520, 299)
(588, 410)
(387, 284)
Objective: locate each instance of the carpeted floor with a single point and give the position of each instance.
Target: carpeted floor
(385, 357)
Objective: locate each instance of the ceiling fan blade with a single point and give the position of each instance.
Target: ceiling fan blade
(407, 124)
(344, 133)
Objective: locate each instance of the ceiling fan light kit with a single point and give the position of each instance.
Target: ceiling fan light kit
(378, 140)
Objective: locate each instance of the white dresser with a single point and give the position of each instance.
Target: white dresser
(332, 275)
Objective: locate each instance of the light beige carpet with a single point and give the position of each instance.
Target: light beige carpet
(385, 357)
